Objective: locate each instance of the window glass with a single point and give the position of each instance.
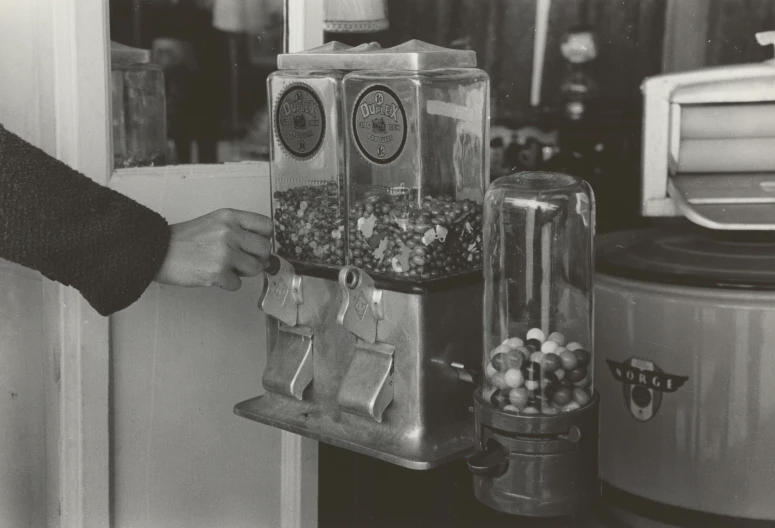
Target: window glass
(198, 93)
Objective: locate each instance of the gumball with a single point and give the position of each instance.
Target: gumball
(500, 349)
(513, 342)
(581, 396)
(498, 380)
(582, 355)
(513, 378)
(490, 371)
(499, 399)
(549, 346)
(560, 374)
(536, 333)
(550, 410)
(569, 360)
(560, 350)
(557, 337)
(515, 359)
(500, 361)
(510, 408)
(532, 371)
(572, 406)
(488, 393)
(577, 374)
(535, 343)
(573, 346)
(585, 383)
(537, 357)
(549, 384)
(518, 397)
(530, 410)
(551, 362)
(525, 351)
(532, 385)
(562, 396)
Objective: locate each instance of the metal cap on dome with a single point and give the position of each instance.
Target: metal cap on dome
(413, 55)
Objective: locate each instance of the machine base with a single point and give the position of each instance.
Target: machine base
(536, 466)
(424, 451)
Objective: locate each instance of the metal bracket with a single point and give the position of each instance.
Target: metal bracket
(289, 365)
(367, 388)
(463, 373)
(282, 294)
(361, 304)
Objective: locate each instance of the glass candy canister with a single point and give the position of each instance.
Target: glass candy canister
(307, 154)
(417, 163)
(538, 294)
(536, 411)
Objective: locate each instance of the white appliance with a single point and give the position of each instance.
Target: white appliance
(685, 315)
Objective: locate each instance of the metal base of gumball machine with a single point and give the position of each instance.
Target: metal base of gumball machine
(536, 466)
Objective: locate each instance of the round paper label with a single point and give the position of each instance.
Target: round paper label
(379, 124)
(300, 121)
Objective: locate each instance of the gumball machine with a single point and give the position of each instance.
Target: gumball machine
(373, 299)
(536, 411)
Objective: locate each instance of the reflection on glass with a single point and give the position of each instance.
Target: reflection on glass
(215, 56)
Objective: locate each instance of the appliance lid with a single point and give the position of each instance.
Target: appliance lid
(690, 256)
(413, 55)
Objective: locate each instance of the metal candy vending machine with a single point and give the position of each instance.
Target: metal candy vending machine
(374, 293)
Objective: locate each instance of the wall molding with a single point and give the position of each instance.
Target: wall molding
(242, 169)
(298, 486)
(78, 487)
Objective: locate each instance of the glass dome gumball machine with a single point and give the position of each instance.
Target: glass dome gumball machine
(536, 411)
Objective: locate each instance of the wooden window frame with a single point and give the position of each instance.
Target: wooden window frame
(77, 395)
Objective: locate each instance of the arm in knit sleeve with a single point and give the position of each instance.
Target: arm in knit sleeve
(75, 231)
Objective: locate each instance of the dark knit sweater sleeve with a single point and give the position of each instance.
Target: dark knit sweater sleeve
(75, 231)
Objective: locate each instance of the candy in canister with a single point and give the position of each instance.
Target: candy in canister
(544, 382)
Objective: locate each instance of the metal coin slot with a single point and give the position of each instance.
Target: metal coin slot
(289, 365)
(282, 293)
(361, 306)
(272, 265)
(367, 388)
(352, 279)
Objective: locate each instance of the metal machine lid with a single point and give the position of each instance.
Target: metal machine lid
(690, 256)
(413, 55)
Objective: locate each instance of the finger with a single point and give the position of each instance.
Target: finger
(247, 265)
(229, 281)
(254, 244)
(254, 222)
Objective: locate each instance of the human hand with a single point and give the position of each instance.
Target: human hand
(217, 249)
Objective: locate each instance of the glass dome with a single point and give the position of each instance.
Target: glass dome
(538, 302)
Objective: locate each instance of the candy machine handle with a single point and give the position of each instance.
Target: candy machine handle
(493, 461)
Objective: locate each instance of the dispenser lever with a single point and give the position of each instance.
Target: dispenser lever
(573, 436)
(361, 304)
(282, 293)
(289, 368)
(367, 387)
(492, 461)
(465, 374)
